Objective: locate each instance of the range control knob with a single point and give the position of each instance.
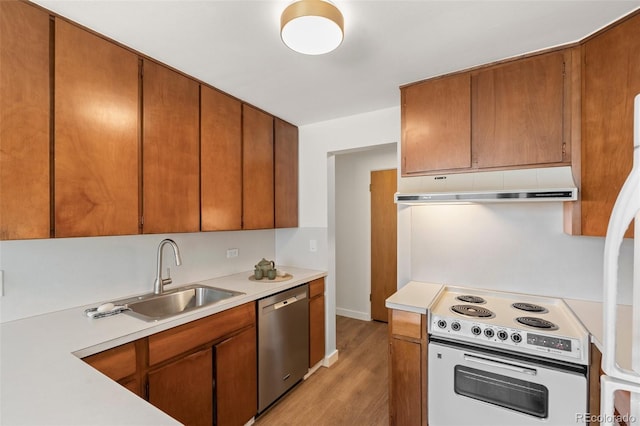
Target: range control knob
(455, 326)
(489, 332)
(442, 324)
(476, 330)
(516, 338)
(503, 335)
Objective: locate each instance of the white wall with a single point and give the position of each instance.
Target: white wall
(48, 275)
(510, 247)
(353, 226)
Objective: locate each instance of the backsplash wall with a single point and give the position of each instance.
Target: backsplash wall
(510, 247)
(48, 275)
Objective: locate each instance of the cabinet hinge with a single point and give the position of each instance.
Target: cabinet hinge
(369, 187)
(370, 298)
(141, 220)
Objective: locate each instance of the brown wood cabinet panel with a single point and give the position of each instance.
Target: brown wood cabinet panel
(286, 174)
(184, 389)
(611, 81)
(518, 112)
(405, 395)
(408, 324)
(116, 363)
(257, 169)
(173, 342)
(221, 161)
(170, 151)
(96, 135)
(436, 125)
(236, 379)
(24, 121)
(316, 322)
(595, 371)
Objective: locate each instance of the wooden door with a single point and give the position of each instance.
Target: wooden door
(611, 81)
(24, 121)
(221, 161)
(170, 151)
(96, 135)
(184, 389)
(257, 169)
(236, 379)
(384, 266)
(436, 125)
(518, 112)
(286, 174)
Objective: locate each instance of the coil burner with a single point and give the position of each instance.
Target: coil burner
(537, 323)
(530, 307)
(472, 311)
(471, 299)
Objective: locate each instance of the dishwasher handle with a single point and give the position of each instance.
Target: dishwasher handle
(285, 302)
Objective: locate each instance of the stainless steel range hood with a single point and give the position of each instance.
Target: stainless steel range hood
(538, 184)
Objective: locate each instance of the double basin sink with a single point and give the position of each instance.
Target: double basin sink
(154, 307)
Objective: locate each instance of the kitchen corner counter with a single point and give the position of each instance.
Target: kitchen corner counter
(414, 296)
(591, 316)
(44, 381)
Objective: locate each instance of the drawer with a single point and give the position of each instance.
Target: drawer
(115, 363)
(408, 324)
(316, 288)
(167, 344)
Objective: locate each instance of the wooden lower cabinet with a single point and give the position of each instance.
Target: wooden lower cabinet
(407, 368)
(200, 373)
(316, 321)
(184, 388)
(236, 380)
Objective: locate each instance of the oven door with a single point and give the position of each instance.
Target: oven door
(471, 386)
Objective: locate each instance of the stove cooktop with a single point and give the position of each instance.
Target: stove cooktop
(536, 325)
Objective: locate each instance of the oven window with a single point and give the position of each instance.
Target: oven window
(508, 392)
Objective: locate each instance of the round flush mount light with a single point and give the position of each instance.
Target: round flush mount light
(312, 27)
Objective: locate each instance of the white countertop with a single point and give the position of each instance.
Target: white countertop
(43, 381)
(415, 297)
(418, 296)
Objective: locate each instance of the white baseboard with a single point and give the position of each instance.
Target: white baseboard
(330, 359)
(363, 316)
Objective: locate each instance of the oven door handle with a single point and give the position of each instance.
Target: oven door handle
(500, 364)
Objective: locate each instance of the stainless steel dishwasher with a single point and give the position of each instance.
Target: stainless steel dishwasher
(283, 343)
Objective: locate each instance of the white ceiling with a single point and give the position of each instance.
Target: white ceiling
(235, 45)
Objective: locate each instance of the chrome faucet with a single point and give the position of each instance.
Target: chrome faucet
(159, 283)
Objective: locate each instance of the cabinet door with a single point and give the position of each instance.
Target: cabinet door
(405, 384)
(118, 364)
(184, 389)
(316, 321)
(518, 111)
(257, 169)
(171, 154)
(286, 174)
(24, 121)
(96, 135)
(436, 125)
(611, 81)
(221, 161)
(236, 379)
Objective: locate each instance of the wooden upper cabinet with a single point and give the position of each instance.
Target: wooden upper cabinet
(24, 121)
(611, 78)
(257, 169)
(221, 161)
(286, 174)
(436, 125)
(518, 112)
(96, 135)
(170, 151)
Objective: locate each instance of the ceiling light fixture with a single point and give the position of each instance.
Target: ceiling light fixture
(312, 27)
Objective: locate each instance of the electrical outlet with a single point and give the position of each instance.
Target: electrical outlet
(232, 253)
(313, 246)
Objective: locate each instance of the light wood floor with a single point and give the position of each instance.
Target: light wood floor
(353, 391)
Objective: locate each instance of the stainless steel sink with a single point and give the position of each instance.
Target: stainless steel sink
(154, 307)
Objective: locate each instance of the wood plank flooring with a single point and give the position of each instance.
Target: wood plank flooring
(354, 391)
